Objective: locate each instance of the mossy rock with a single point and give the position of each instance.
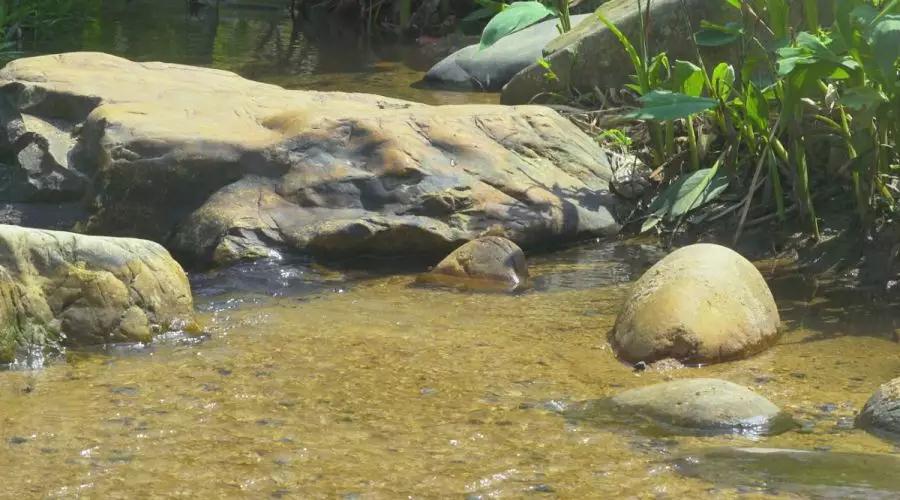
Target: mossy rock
(59, 288)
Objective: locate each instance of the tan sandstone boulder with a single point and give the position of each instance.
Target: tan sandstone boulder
(219, 168)
(66, 289)
(702, 303)
(489, 262)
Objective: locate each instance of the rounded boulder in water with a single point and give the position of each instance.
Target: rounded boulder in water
(882, 410)
(489, 262)
(704, 405)
(702, 303)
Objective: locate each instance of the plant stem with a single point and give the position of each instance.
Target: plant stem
(692, 143)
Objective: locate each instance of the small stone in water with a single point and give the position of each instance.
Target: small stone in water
(18, 440)
(542, 488)
(844, 424)
(125, 390)
(828, 407)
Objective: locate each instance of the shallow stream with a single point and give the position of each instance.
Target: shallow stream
(317, 383)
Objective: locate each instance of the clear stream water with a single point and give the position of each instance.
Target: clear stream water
(322, 383)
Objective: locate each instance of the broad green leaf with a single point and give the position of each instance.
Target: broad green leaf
(864, 14)
(517, 16)
(860, 98)
(734, 3)
(884, 39)
(715, 38)
(687, 78)
(662, 105)
(816, 45)
(723, 80)
(790, 57)
(697, 189)
(893, 7)
(715, 35)
(778, 17)
(688, 192)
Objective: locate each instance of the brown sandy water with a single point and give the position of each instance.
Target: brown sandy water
(370, 388)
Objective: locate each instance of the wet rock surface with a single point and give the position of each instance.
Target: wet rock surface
(590, 56)
(489, 262)
(692, 406)
(491, 68)
(218, 168)
(882, 411)
(700, 304)
(816, 474)
(60, 288)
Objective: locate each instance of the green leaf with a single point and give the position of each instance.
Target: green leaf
(687, 78)
(884, 38)
(860, 98)
(864, 14)
(715, 35)
(698, 189)
(757, 108)
(688, 192)
(778, 17)
(650, 223)
(723, 80)
(662, 105)
(517, 16)
(734, 3)
(658, 69)
(636, 61)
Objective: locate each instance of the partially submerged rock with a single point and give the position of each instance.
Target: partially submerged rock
(702, 303)
(815, 474)
(489, 262)
(60, 288)
(491, 68)
(703, 405)
(219, 168)
(882, 410)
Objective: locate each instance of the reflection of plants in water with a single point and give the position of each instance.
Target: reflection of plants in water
(23, 20)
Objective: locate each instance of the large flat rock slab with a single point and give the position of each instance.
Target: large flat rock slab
(219, 168)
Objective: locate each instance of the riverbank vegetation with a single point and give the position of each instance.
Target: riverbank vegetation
(798, 121)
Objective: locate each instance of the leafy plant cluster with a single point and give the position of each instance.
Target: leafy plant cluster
(24, 20)
(805, 112)
(508, 18)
